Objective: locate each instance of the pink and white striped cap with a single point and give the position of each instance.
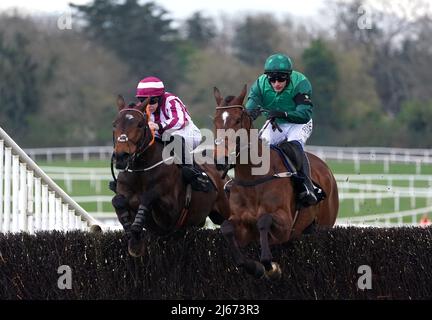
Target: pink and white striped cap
(150, 87)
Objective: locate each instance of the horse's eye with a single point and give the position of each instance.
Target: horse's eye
(238, 121)
(140, 124)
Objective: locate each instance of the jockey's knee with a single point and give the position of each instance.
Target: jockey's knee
(119, 202)
(298, 143)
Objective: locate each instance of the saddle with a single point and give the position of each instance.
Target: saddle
(292, 164)
(196, 176)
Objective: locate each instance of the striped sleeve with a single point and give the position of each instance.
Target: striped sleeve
(176, 118)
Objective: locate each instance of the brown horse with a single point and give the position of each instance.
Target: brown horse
(263, 207)
(150, 192)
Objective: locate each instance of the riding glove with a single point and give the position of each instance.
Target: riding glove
(254, 113)
(277, 114)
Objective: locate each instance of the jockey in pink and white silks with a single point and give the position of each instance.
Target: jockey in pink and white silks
(170, 117)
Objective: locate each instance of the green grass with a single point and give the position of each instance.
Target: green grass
(376, 168)
(93, 163)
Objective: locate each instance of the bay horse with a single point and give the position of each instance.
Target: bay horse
(150, 192)
(263, 207)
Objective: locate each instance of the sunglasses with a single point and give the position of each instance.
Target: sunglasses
(152, 100)
(281, 77)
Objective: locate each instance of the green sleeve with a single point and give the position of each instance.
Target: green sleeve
(255, 97)
(303, 112)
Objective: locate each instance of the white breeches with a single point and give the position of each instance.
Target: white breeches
(290, 132)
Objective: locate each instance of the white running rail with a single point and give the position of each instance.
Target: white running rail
(30, 200)
(394, 219)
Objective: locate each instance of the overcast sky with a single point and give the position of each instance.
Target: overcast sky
(183, 8)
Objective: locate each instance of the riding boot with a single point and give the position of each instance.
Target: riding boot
(193, 175)
(307, 196)
(295, 152)
(198, 179)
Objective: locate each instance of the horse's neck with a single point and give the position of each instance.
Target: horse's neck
(244, 171)
(152, 155)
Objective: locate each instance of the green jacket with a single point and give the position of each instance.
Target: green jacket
(263, 95)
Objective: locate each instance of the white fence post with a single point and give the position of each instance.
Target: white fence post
(7, 189)
(22, 204)
(51, 211)
(71, 216)
(30, 201)
(58, 215)
(45, 207)
(15, 192)
(1, 182)
(65, 217)
(38, 204)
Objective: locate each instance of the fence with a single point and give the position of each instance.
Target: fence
(29, 199)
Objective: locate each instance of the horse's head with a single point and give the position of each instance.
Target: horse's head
(131, 132)
(230, 114)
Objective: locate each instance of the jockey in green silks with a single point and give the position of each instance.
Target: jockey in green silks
(285, 95)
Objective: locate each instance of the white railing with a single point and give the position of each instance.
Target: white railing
(394, 219)
(30, 200)
(374, 154)
(68, 153)
(356, 154)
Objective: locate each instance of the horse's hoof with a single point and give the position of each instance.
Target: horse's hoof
(275, 273)
(254, 268)
(259, 272)
(136, 248)
(136, 229)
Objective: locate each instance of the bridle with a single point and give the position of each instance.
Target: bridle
(238, 147)
(145, 142)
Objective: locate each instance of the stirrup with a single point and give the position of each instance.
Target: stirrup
(308, 198)
(198, 180)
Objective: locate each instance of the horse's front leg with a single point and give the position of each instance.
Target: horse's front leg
(252, 267)
(144, 209)
(136, 245)
(264, 224)
(121, 208)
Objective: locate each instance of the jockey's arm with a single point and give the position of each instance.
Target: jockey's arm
(177, 118)
(254, 101)
(302, 99)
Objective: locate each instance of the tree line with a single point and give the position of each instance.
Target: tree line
(371, 86)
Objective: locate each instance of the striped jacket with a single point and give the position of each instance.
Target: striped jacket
(171, 114)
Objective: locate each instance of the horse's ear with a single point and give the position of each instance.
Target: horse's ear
(242, 94)
(120, 102)
(143, 107)
(217, 96)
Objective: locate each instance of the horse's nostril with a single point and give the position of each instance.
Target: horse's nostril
(121, 160)
(121, 156)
